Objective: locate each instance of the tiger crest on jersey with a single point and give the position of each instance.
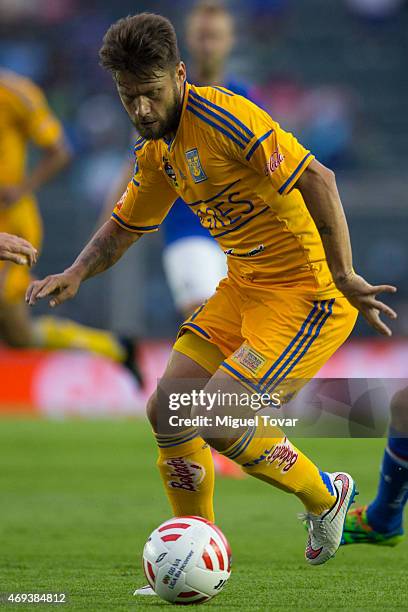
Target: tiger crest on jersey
(196, 170)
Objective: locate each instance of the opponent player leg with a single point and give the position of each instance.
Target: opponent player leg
(381, 522)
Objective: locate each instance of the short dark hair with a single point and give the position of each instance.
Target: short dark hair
(143, 44)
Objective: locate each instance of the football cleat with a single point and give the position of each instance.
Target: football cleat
(358, 531)
(326, 529)
(146, 590)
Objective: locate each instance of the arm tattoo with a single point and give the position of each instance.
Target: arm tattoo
(324, 230)
(101, 253)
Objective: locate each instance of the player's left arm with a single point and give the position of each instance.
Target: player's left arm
(43, 129)
(317, 184)
(271, 151)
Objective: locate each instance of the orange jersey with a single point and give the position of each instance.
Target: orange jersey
(25, 116)
(235, 168)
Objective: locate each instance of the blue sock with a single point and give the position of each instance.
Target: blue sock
(385, 513)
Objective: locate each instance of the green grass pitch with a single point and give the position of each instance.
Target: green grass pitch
(79, 498)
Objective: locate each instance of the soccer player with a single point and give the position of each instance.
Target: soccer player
(381, 522)
(26, 117)
(291, 297)
(209, 41)
(17, 250)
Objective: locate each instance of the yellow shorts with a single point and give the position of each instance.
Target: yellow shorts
(22, 219)
(271, 341)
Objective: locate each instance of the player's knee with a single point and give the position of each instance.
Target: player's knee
(159, 410)
(399, 410)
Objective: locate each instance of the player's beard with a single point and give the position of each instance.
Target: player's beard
(167, 125)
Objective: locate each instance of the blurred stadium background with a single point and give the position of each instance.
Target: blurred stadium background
(331, 71)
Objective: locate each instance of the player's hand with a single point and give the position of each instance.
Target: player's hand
(362, 296)
(60, 287)
(17, 250)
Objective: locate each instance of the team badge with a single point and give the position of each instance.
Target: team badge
(196, 169)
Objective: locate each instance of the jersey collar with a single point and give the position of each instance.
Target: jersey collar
(170, 143)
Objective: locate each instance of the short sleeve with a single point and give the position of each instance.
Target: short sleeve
(269, 149)
(147, 199)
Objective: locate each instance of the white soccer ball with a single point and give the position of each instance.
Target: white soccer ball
(187, 560)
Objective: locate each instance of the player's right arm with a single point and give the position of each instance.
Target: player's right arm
(145, 203)
(105, 248)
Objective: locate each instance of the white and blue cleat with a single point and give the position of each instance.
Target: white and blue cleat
(326, 529)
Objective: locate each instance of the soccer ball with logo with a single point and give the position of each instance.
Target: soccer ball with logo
(187, 560)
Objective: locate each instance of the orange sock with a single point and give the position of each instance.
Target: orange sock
(266, 453)
(187, 470)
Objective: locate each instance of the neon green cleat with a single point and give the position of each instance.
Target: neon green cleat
(358, 531)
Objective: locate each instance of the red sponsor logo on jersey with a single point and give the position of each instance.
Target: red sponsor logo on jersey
(283, 455)
(275, 161)
(184, 474)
